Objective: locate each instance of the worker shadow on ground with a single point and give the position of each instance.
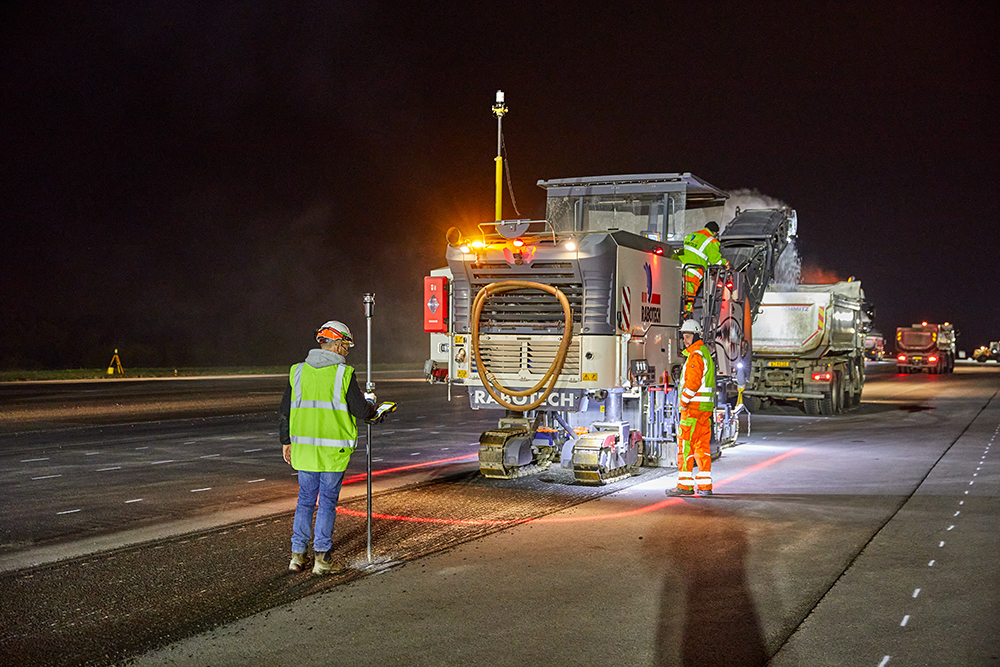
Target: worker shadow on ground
(707, 614)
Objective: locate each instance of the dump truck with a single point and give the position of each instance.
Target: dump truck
(874, 346)
(924, 346)
(568, 326)
(808, 346)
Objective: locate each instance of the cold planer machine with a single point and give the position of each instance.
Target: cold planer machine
(569, 325)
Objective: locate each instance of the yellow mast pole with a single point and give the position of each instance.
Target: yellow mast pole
(499, 109)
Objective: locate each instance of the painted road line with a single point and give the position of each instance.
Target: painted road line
(156, 463)
(251, 481)
(885, 661)
(91, 453)
(207, 488)
(208, 456)
(67, 512)
(46, 477)
(33, 460)
(916, 592)
(142, 447)
(134, 500)
(247, 451)
(190, 442)
(930, 564)
(106, 469)
(906, 619)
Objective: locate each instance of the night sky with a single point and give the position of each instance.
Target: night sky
(201, 183)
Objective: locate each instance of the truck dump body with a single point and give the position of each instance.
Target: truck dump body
(810, 322)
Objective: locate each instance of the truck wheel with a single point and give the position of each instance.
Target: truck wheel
(826, 404)
(753, 403)
(811, 406)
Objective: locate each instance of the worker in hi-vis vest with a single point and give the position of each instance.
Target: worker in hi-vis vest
(701, 249)
(697, 404)
(318, 430)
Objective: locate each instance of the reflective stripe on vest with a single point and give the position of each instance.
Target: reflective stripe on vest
(322, 430)
(705, 396)
(692, 245)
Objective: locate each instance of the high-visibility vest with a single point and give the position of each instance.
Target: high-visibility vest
(322, 429)
(701, 248)
(702, 398)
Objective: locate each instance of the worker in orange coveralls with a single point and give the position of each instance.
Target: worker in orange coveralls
(697, 404)
(701, 249)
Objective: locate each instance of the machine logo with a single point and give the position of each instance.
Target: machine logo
(650, 301)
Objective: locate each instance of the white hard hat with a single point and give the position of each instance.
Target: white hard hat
(691, 326)
(333, 331)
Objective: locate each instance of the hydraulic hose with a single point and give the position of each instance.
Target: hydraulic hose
(555, 368)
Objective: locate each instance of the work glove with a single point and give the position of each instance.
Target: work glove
(370, 396)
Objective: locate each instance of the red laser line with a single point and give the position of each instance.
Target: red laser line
(616, 515)
(362, 476)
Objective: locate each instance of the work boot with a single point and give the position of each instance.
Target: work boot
(705, 492)
(324, 564)
(680, 492)
(298, 562)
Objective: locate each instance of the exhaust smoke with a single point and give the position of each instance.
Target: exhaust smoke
(788, 270)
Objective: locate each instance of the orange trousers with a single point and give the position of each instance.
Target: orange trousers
(692, 281)
(694, 448)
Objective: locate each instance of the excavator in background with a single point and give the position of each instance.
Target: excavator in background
(568, 326)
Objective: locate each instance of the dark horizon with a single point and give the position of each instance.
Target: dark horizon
(203, 185)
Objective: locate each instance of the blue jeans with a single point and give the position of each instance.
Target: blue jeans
(325, 486)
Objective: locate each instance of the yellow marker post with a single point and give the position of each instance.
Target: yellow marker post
(499, 109)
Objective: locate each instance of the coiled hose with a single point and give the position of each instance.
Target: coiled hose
(551, 376)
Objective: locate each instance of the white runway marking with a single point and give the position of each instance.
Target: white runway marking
(207, 456)
(156, 463)
(67, 512)
(33, 460)
(91, 453)
(207, 488)
(247, 451)
(142, 447)
(106, 469)
(134, 500)
(251, 481)
(930, 564)
(942, 543)
(46, 477)
(885, 661)
(906, 619)
(916, 592)
(951, 526)
(189, 442)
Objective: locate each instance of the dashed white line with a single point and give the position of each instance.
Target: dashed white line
(46, 477)
(142, 447)
(906, 620)
(67, 512)
(251, 481)
(207, 488)
(134, 500)
(156, 463)
(951, 526)
(942, 543)
(885, 661)
(247, 451)
(916, 592)
(33, 460)
(106, 469)
(190, 442)
(208, 456)
(930, 564)
(957, 513)
(415, 454)
(91, 453)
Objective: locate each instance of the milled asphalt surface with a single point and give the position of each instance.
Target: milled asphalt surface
(637, 579)
(854, 540)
